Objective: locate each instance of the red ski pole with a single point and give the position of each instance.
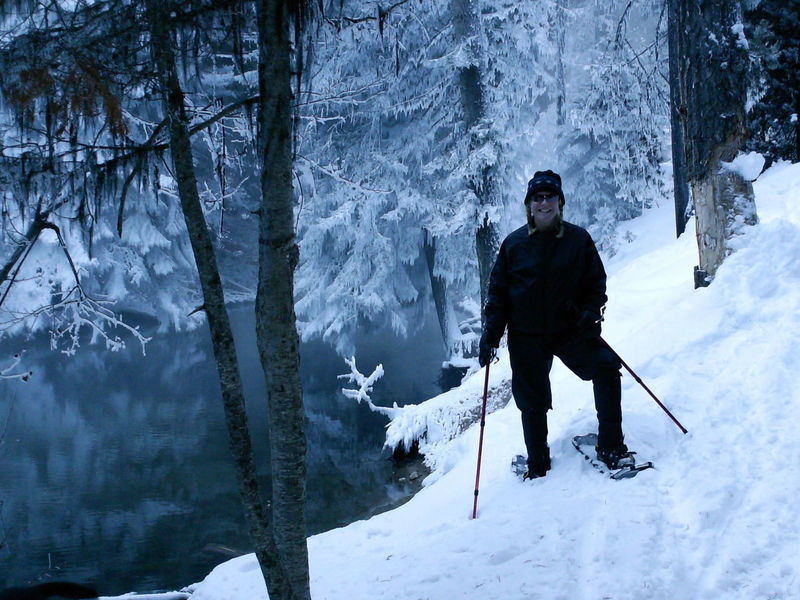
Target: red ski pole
(647, 389)
(480, 441)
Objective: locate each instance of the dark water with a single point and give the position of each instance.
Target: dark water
(114, 467)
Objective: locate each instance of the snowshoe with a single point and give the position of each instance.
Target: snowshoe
(621, 463)
(521, 468)
(615, 458)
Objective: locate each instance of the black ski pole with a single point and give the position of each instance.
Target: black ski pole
(647, 389)
(480, 442)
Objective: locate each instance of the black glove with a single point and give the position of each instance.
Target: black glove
(588, 324)
(485, 351)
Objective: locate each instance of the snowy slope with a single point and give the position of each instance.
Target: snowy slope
(717, 519)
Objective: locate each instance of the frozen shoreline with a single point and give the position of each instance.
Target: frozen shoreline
(709, 522)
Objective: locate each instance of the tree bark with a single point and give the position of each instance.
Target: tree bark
(214, 302)
(444, 309)
(680, 180)
(712, 60)
(484, 182)
(276, 329)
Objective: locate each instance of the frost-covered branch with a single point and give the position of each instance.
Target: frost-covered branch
(73, 313)
(432, 424)
(23, 248)
(336, 174)
(365, 384)
(8, 371)
(73, 310)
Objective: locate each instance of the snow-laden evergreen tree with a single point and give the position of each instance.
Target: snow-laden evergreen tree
(774, 117)
(391, 173)
(390, 157)
(614, 144)
(83, 151)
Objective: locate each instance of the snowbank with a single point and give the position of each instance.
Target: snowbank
(716, 518)
(434, 423)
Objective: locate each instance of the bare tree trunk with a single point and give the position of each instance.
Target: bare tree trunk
(214, 303)
(680, 180)
(712, 60)
(276, 328)
(484, 182)
(444, 309)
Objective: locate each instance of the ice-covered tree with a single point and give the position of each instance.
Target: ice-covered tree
(83, 150)
(614, 144)
(406, 160)
(774, 115)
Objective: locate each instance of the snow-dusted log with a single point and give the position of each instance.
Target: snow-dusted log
(158, 596)
(432, 423)
(435, 422)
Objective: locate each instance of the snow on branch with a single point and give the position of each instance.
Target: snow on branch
(72, 310)
(8, 371)
(365, 388)
(433, 424)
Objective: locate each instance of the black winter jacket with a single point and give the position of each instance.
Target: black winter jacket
(542, 282)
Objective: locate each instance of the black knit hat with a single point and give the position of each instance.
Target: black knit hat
(545, 181)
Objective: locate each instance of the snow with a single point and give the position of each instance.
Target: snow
(737, 30)
(749, 165)
(365, 384)
(717, 518)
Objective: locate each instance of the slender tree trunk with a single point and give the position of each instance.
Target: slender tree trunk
(677, 117)
(484, 182)
(444, 309)
(276, 328)
(712, 60)
(214, 302)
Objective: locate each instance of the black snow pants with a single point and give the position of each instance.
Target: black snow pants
(531, 360)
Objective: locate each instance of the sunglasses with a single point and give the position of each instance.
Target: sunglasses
(550, 198)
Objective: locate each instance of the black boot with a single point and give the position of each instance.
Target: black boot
(607, 400)
(616, 457)
(538, 463)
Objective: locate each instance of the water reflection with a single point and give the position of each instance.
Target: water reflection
(114, 468)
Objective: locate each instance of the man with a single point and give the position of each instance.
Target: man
(548, 286)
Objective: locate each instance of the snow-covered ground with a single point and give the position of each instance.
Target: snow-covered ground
(717, 518)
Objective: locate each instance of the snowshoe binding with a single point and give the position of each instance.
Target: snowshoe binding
(538, 467)
(618, 463)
